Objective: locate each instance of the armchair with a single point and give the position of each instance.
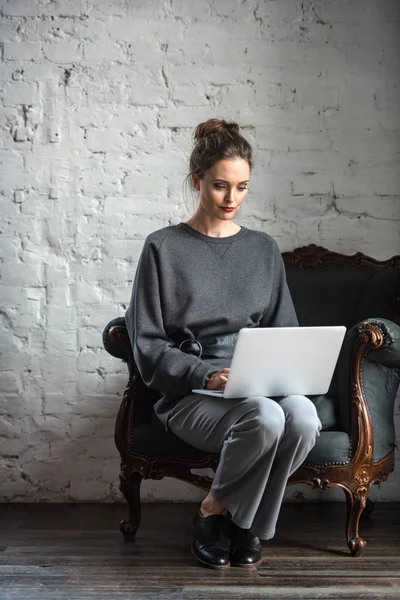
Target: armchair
(357, 443)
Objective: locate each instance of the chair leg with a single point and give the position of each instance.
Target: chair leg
(130, 487)
(355, 506)
(369, 507)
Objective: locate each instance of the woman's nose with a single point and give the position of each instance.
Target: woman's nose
(230, 196)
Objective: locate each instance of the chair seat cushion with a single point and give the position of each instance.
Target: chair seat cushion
(154, 443)
(331, 448)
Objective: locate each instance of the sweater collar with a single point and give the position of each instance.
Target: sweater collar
(214, 240)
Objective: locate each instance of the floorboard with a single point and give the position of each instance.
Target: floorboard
(75, 552)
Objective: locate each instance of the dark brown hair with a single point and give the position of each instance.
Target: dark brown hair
(214, 140)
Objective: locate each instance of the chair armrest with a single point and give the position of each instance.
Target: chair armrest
(389, 352)
(368, 381)
(137, 403)
(117, 343)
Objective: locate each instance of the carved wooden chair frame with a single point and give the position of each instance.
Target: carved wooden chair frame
(355, 477)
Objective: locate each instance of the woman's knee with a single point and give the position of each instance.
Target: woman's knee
(301, 416)
(267, 417)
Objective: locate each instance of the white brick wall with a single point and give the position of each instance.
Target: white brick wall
(97, 105)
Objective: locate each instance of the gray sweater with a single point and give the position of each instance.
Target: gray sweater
(190, 285)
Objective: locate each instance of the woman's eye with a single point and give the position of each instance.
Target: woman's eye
(222, 187)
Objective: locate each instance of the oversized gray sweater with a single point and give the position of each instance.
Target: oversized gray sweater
(190, 285)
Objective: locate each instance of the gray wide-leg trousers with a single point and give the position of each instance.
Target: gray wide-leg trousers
(261, 442)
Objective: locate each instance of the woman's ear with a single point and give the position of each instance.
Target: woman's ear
(196, 181)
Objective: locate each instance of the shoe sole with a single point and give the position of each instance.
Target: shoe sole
(247, 566)
(210, 566)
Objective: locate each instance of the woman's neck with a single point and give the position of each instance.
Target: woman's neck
(212, 227)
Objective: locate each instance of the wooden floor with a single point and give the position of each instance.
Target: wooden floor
(72, 552)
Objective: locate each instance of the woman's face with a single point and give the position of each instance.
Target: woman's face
(224, 187)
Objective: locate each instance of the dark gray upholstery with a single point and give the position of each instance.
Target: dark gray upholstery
(328, 410)
(152, 441)
(331, 448)
(336, 295)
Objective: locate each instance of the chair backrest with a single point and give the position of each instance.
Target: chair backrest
(329, 288)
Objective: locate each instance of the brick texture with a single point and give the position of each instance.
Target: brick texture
(97, 104)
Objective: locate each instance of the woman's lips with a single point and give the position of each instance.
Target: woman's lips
(227, 209)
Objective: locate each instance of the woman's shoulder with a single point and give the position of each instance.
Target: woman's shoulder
(159, 236)
(261, 238)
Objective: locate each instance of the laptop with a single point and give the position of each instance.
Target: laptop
(279, 361)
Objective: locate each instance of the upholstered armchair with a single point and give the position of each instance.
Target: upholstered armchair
(357, 443)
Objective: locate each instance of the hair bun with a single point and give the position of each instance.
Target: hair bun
(213, 126)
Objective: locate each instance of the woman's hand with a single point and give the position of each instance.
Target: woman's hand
(217, 380)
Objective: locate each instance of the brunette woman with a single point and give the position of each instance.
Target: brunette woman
(197, 283)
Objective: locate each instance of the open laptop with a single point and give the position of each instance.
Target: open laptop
(278, 361)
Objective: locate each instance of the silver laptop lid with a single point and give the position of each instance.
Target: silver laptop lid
(280, 361)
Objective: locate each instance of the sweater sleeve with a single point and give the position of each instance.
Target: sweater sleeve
(161, 365)
(280, 311)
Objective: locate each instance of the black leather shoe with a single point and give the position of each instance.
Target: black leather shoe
(245, 548)
(211, 540)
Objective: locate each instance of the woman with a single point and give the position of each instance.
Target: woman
(202, 281)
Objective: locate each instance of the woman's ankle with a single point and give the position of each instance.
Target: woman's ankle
(210, 506)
